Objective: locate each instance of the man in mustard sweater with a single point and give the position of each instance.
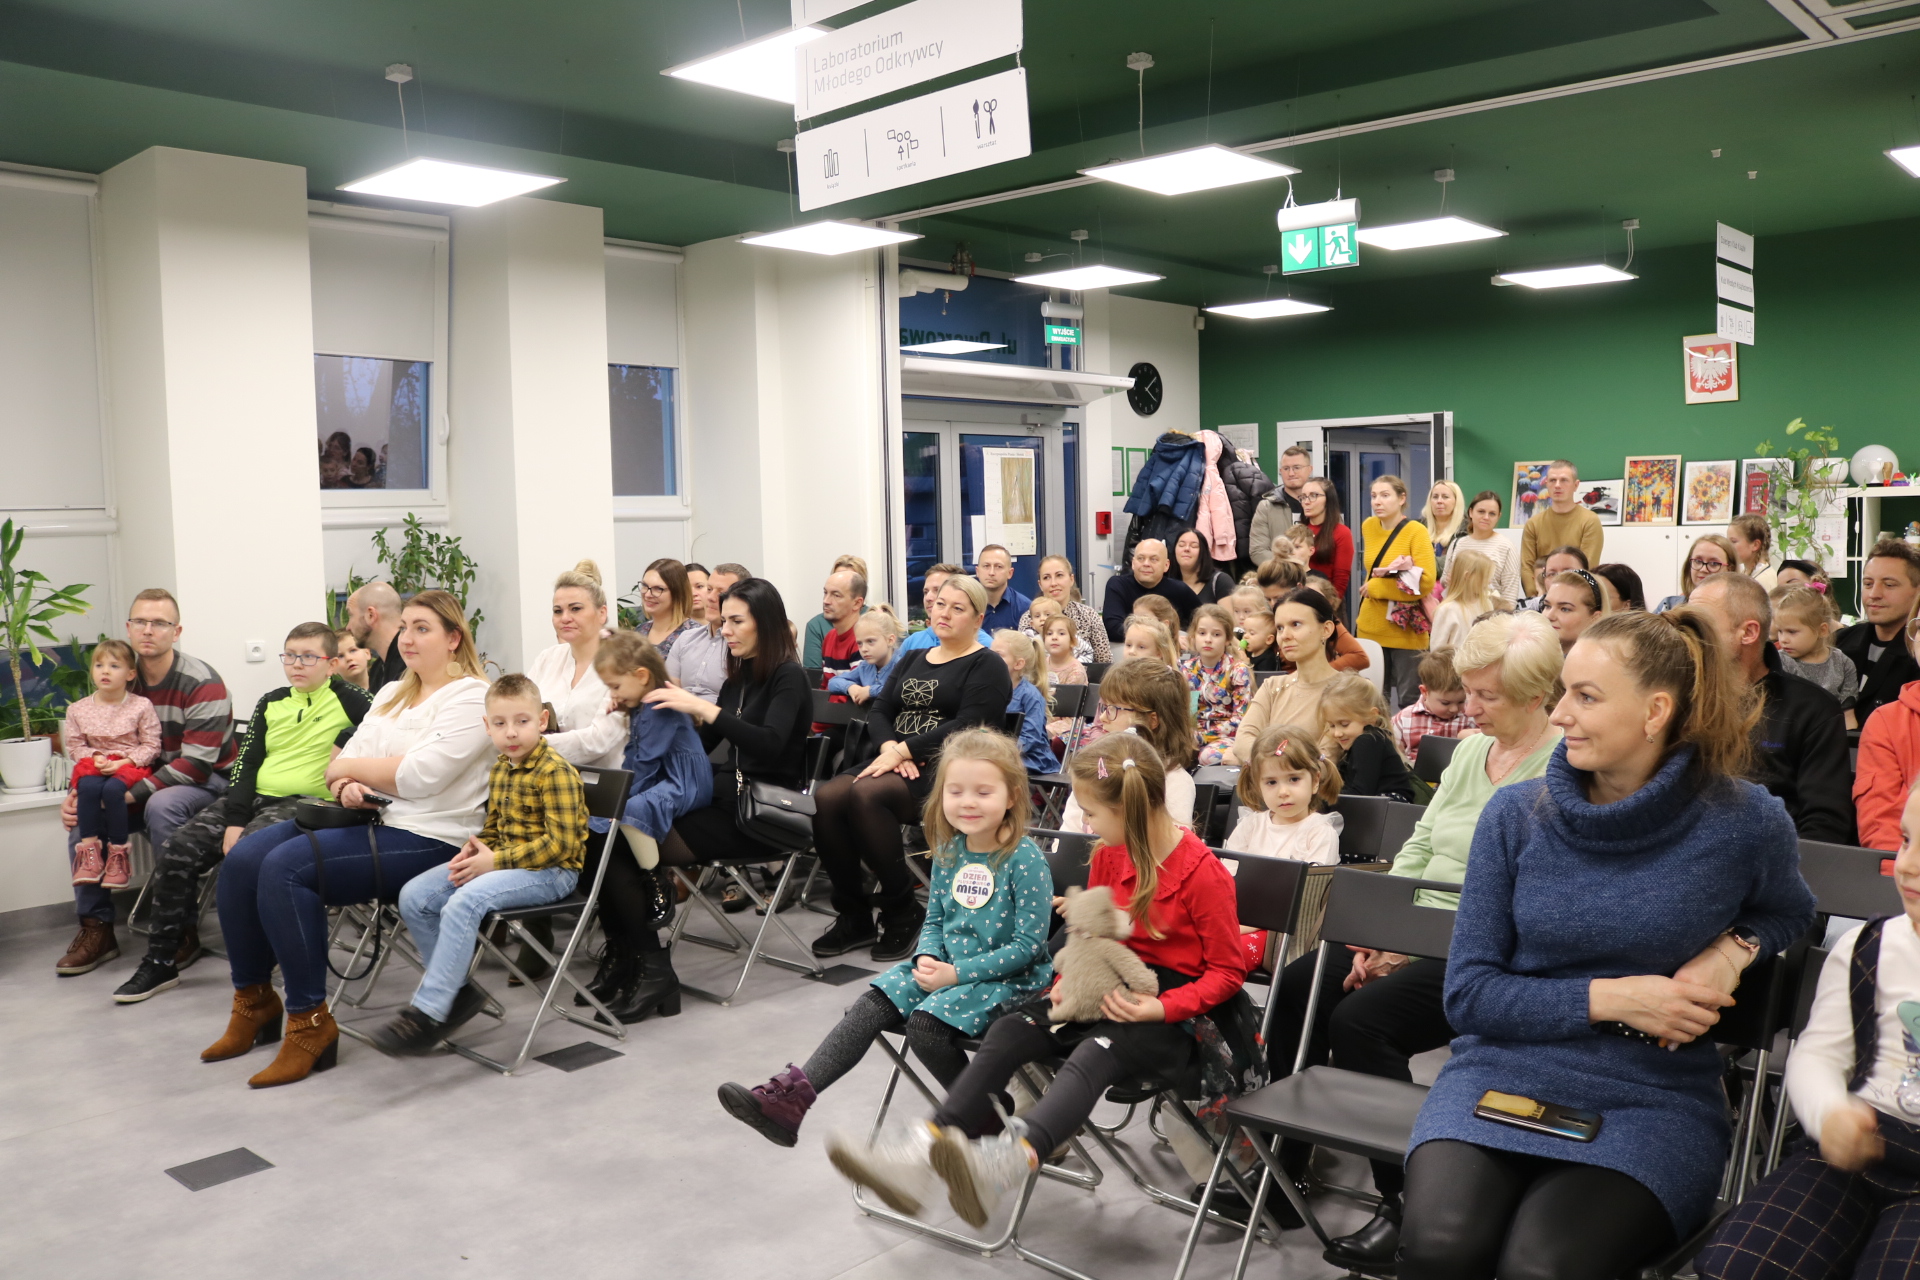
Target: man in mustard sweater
(1563, 522)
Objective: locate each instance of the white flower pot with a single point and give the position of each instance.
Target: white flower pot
(23, 763)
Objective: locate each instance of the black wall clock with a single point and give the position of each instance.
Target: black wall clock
(1144, 394)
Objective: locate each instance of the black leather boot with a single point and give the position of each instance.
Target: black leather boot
(1371, 1249)
(656, 991)
(619, 969)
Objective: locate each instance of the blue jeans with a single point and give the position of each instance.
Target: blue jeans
(166, 810)
(444, 920)
(271, 908)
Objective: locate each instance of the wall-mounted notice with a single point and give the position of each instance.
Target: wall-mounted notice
(948, 131)
(902, 47)
(1010, 517)
(1242, 435)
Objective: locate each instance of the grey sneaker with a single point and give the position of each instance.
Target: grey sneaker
(980, 1171)
(894, 1166)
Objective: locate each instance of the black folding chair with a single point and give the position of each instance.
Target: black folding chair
(1219, 819)
(1432, 756)
(1365, 819)
(606, 798)
(1854, 883)
(1401, 820)
(827, 711)
(1097, 671)
(1261, 677)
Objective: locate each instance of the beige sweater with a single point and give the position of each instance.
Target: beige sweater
(1547, 529)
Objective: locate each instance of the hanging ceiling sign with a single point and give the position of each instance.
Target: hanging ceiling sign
(948, 131)
(899, 48)
(1733, 282)
(1319, 249)
(808, 12)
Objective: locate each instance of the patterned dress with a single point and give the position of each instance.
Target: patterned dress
(1223, 693)
(990, 923)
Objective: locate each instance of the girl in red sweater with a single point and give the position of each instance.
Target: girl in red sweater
(1187, 930)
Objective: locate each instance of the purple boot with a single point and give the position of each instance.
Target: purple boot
(775, 1108)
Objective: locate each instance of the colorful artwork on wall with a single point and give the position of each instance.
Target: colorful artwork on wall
(1605, 498)
(1529, 491)
(1653, 489)
(1708, 494)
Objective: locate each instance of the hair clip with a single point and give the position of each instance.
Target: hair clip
(1281, 750)
(1821, 587)
(1100, 768)
(1128, 763)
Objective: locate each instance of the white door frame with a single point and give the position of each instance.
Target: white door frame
(1311, 433)
(953, 418)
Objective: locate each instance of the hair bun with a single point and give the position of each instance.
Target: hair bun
(588, 569)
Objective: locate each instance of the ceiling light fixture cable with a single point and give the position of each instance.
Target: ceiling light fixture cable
(1206, 130)
(1140, 62)
(400, 73)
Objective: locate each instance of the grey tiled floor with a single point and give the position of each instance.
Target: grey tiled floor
(435, 1167)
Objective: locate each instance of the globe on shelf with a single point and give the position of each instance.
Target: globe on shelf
(1872, 464)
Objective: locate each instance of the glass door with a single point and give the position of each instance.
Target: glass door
(1003, 500)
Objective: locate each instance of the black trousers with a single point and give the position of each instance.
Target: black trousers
(1474, 1213)
(856, 827)
(626, 894)
(1375, 1030)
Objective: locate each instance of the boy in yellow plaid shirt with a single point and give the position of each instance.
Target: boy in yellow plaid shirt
(528, 854)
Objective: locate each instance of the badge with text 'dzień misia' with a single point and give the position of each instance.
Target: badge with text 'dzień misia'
(973, 885)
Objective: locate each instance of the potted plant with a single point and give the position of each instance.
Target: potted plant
(1806, 494)
(28, 605)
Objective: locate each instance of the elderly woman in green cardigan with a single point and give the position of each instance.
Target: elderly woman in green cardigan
(1382, 1010)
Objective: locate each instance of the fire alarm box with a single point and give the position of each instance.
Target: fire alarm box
(1103, 524)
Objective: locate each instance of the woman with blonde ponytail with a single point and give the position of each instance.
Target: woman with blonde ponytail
(1186, 928)
(1610, 909)
(588, 731)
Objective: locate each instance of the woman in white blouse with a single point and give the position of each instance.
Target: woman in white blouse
(588, 733)
(423, 747)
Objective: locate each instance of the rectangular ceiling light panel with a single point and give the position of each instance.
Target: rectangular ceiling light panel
(1422, 235)
(444, 182)
(1907, 158)
(1081, 278)
(1269, 308)
(763, 68)
(1198, 169)
(954, 347)
(1565, 277)
(830, 238)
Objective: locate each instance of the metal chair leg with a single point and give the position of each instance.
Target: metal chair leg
(551, 996)
(756, 949)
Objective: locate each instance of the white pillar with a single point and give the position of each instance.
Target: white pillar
(531, 458)
(209, 328)
(785, 414)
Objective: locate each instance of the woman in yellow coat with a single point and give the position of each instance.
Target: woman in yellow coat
(1392, 543)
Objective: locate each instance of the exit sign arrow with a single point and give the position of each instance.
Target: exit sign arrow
(1300, 251)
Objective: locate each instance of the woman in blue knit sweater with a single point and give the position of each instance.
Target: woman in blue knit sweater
(1609, 909)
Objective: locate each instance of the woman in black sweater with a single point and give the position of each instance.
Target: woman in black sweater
(762, 720)
(932, 693)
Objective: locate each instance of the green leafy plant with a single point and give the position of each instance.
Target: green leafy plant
(427, 559)
(1798, 500)
(28, 605)
(337, 615)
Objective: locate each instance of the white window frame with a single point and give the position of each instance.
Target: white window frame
(383, 508)
(675, 506)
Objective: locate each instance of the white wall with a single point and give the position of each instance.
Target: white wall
(531, 469)
(209, 324)
(784, 414)
(1119, 333)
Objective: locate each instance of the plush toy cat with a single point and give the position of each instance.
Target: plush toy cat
(1095, 959)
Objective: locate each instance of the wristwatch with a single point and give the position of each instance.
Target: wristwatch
(1747, 940)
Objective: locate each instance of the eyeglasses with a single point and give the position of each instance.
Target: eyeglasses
(652, 591)
(1711, 566)
(301, 659)
(150, 624)
(1108, 710)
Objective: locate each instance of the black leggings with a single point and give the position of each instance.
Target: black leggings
(1013, 1041)
(933, 1042)
(856, 826)
(626, 896)
(1474, 1213)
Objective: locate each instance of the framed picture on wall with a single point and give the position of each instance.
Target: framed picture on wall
(1707, 497)
(1605, 498)
(1529, 491)
(1759, 478)
(1653, 489)
(1711, 367)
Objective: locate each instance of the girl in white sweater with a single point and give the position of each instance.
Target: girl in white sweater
(1287, 790)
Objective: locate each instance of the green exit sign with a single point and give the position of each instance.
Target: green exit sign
(1319, 248)
(1063, 335)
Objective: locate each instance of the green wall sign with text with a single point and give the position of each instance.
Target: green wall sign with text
(1063, 335)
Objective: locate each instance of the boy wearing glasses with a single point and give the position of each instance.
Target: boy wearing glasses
(292, 737)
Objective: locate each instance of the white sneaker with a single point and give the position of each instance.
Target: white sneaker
(894, 1166)
(979, 1171)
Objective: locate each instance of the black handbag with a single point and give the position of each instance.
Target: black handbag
(773, 815)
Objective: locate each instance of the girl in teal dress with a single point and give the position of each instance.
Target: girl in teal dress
(984, 943)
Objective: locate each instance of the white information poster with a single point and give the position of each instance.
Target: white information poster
(949, 131)
(1831, 534)
(1732, 322)
(1733, 284)
(900, 48)
(1733, 246)
(1010, 519)
(1242, 435)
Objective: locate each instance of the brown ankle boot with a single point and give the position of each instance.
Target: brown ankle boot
(312, 1044)
(92, 947)
(255, 1020)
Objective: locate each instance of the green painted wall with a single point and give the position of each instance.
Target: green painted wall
(1594, 374)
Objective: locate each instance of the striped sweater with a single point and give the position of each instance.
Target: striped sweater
(196, 725)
